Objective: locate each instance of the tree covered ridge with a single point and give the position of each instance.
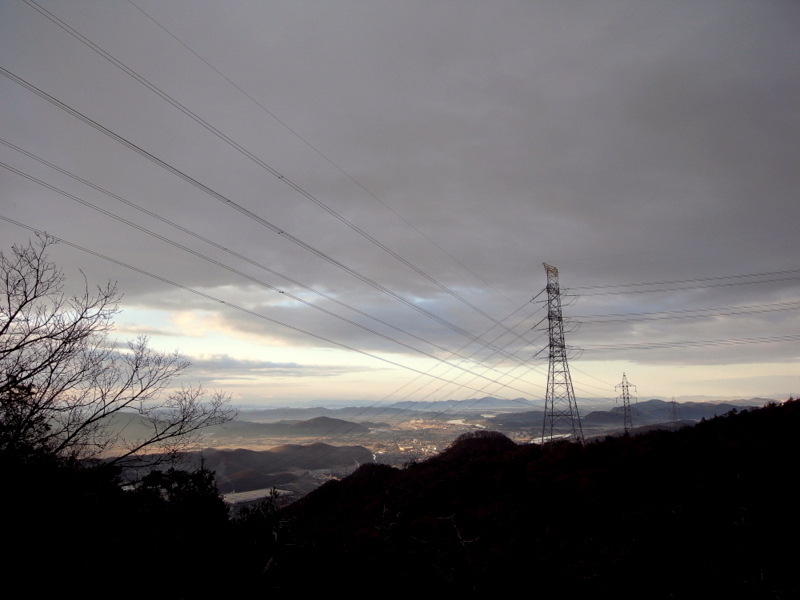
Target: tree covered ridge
(706, 509)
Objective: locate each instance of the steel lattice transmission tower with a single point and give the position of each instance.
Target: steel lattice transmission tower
(626, 402)
(561, 418)
(674, 411)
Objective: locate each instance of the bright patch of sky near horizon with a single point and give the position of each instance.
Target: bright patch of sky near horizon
(623, 142)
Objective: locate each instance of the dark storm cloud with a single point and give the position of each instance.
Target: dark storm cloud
(620, 141)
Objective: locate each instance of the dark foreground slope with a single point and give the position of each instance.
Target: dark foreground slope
(708, 510)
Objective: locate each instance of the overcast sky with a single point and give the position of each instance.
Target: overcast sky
(409, 166)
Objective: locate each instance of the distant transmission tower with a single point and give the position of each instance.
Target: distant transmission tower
(674, 407)
(561, 418)
(626, 402)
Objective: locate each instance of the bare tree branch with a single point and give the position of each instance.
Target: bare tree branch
(61, 382)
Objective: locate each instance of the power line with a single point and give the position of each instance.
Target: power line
(691, 313)
(610, 385)
(379, 414)
(204, 239)
(700, 287)
(532, 368)
(216, 195)
(105, 191)
(231, 304)
(595, 287)
(249, 277)
(252, 157)
(315, 149)
(236, 307)
(421, 400)
(724, 342)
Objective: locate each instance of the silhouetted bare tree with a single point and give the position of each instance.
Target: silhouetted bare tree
(63, 381)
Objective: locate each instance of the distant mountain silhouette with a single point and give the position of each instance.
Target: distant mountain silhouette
(360, 413)
(243, 470)
(399, 410)
(647, 412)
(317, 426)
(324, 426)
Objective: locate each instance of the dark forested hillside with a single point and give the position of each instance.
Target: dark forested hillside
(704, 510)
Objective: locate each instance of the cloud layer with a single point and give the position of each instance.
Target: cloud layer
(623, 142)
